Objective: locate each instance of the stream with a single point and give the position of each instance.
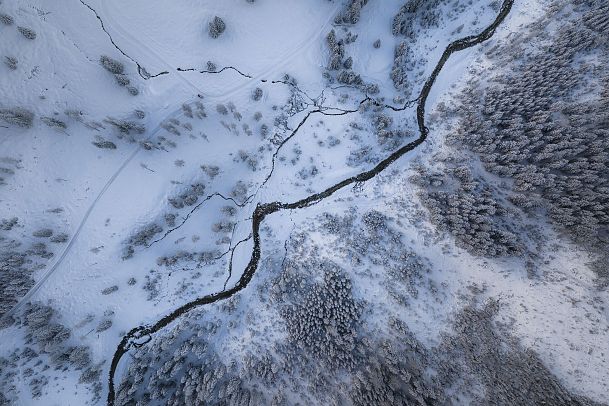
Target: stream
(264, 209)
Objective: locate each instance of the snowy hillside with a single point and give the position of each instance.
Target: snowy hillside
(345, 202)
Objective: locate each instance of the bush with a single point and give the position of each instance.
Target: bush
(90, 375)
(10, 62)
(6, 19)
(257, 95)
(221, 108)
(423, 12)
(52, 338)
(189, 197)
(109, 290)
(27, 32)
(170, 219)
(8, 224)
(43, 233)
(348, 63)
(122, 80)
(40, 249)
(239, 191)
(351, 13)
(187, 110)
(229, 211)
(17, 116)
(223, 227)
(133, 91)
(112, 65)
(216, 27)
(211, 170)
(144, 235)
(59, 238)
(53, 122)
(103, 325)
(126, 126)
(104, 144)
(80, 357)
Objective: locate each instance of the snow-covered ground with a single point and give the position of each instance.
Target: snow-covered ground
(155, 191)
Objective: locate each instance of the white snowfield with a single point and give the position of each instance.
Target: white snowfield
(208, 153)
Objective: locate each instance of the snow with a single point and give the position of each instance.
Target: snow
(106, 195)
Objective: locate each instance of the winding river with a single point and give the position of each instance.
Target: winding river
(263, 210)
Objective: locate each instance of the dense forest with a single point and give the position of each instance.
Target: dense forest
(541, 125)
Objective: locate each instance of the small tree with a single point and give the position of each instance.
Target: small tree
(53, 122)
(133, 91)
(111, 65)
(216, 27)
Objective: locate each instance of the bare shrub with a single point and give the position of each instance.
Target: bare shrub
(59, 238)
(211, 67)
(11, 62)
(18, 116)
(126, 126)
(6, 19)
(211, 170)
(108, 290)
(53, 122)
(351, 13)
(103, 325)
(27, 32)
(122, 80)
(104, 144)
(133, 91)
(221, 108)
(112, 65)
(257, 95)
(43, 233)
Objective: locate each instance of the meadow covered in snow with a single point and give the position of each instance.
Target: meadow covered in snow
(327, 202)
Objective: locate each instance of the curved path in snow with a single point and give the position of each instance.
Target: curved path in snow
(263, 210)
